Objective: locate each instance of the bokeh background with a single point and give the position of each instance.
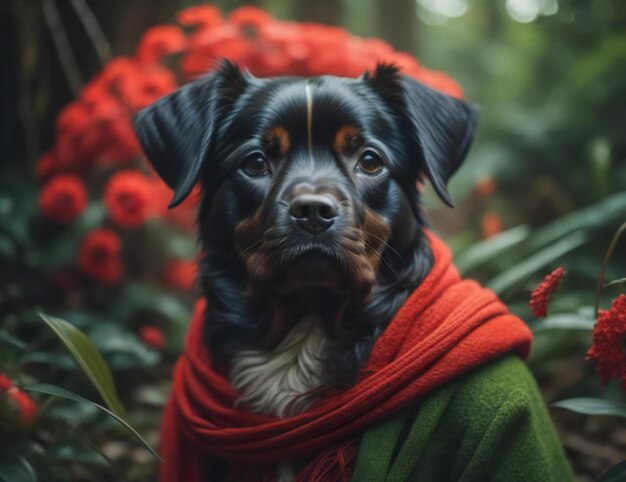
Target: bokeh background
(543, 186)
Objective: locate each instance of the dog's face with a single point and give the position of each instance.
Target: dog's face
(310, 200)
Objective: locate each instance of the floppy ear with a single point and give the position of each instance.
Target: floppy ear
(443, 126)
(176, 132)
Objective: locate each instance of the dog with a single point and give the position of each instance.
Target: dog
(310, 220)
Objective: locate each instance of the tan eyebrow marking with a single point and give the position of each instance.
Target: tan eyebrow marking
(309, 117)
(277, 138)
(344, 139)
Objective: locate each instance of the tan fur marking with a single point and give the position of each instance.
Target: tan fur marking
(344, 138)
(278, 137)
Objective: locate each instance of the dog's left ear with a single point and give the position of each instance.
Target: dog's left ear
(177, 131)
(443, 126)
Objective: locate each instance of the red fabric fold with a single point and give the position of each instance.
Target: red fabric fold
(446, 327)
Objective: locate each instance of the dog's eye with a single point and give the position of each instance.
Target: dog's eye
(370, 163)
(256, 165)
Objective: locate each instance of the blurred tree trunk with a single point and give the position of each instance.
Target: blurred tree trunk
(397, 23)
(324, 11)
(35, 83)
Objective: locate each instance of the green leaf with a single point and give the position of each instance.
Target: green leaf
(569, 321)
(617, 282)
(14, 468)
(13, 341)
(592, 406)
(63, 393)
(617, 473)
(89, 359)
(484, 251)
(526, 268)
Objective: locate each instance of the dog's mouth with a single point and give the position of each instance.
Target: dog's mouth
(310, 266)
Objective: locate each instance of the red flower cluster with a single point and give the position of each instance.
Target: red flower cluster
(608, 351)
(94, 135)
(99, 256)
(152, 336)
(27, 409)
(63, 198)
(269, 47)
(540, 297)
(128, 198)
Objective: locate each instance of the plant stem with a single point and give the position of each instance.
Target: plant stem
(605, 263)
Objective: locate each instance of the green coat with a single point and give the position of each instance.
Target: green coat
(490, 424)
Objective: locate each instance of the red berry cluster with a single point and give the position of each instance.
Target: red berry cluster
(540, 297)
(608, 351)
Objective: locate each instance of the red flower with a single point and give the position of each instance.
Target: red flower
(609, 343)
(203, 16)
(491, 224)
(540, 297)
(63, 198)
(26, 407)
(152, 336)
(181, 274)
(146, 86)
(160, 41)
(127, 196)
(99, 256)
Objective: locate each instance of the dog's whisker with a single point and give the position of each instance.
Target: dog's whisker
(381, 258)
(383, 242)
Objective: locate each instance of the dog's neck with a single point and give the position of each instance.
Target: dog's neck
(279, 381)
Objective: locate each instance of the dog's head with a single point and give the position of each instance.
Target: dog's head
(310, 199)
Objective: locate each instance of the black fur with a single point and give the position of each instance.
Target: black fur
(205, 131)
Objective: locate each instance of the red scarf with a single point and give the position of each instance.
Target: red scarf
(447, 327)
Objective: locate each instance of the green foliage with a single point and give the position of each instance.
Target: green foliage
(593, 406)
(62, 393)
(90, 361)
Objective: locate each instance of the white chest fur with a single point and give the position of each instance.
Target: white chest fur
(273, 382)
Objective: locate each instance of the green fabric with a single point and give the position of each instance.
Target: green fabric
(490, 424)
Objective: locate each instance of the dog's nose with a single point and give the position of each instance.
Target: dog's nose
(314, 213)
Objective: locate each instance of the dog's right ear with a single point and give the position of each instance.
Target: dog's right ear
(176, 132)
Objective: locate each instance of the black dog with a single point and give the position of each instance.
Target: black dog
(310, 220)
